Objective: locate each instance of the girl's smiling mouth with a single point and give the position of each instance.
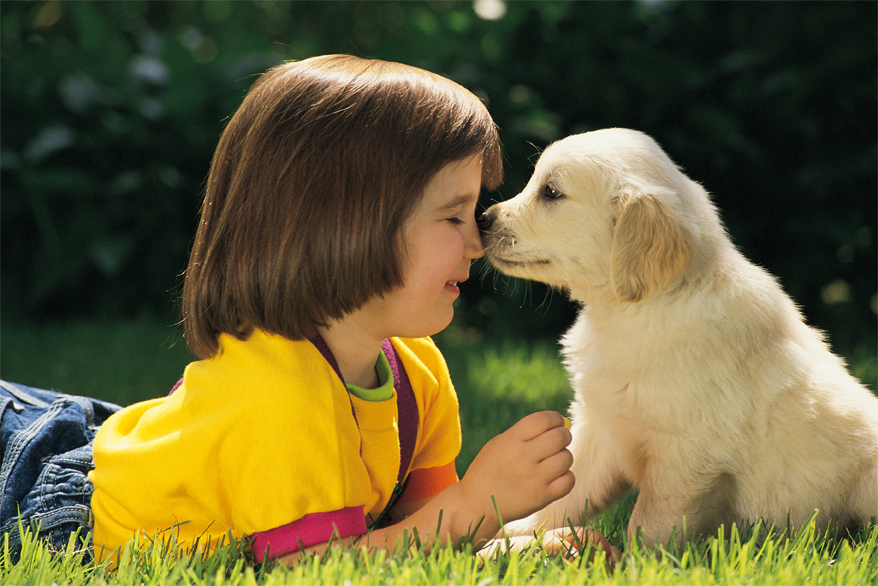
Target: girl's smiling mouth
(453, 285)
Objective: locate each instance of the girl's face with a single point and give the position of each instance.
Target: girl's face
(441, 239)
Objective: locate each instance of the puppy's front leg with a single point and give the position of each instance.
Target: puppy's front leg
(683, 502)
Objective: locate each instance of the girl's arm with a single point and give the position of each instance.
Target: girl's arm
(522, 470)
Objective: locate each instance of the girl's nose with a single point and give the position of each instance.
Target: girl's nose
(473, 247)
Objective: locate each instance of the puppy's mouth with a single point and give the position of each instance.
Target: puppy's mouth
(500, 248)
(500, 261)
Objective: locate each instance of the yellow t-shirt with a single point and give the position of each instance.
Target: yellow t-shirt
(261, 440)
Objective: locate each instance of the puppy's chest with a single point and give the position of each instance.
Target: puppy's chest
(621, 393)
(603, 369)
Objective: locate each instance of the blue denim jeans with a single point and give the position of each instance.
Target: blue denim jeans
(46, 441)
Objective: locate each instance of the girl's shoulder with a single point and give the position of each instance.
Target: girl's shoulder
(238, 382)
(420, 353)
(426, 369)
(264, 367)
(251, 389)
(419, 346)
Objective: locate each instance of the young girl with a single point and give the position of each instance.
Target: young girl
(338, 221)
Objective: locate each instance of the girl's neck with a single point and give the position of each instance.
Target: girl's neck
(355, 351)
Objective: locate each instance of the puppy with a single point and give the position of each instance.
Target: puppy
(696, 380)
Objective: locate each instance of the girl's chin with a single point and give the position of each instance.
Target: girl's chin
(438, 325)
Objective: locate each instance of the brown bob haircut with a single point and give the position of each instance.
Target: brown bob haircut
(310, 188)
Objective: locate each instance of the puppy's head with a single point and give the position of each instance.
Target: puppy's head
(603, 211)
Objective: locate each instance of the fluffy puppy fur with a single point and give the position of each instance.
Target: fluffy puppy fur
(696, 380)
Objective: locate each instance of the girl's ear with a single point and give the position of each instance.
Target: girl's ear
(650, 247)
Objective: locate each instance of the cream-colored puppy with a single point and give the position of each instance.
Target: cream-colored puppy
(696, 380)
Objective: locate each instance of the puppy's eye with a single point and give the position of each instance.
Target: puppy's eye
(551, 193)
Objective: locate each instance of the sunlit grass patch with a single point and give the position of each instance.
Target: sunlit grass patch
(498, 382)
(749, 555)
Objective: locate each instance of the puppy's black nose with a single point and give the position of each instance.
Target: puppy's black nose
(485, 220)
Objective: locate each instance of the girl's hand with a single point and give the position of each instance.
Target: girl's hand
(571, 545)
(523, 469)
(565, 542)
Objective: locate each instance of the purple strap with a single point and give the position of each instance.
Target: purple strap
(327, 355)
(406, 404)
(407, 409)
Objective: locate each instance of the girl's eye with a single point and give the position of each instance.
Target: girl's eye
(455, 220)
(551, 193)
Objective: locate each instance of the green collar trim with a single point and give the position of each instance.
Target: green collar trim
(384, 391)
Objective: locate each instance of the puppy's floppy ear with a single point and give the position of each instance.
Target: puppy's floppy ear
(650, 247)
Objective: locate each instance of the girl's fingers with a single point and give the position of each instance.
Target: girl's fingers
(560, 486)
(550, 442)
(556, 464)
(566, 543)
(536, 424)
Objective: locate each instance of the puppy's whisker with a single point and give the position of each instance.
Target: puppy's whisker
(527, 291)
(543, 307)
(486, 270)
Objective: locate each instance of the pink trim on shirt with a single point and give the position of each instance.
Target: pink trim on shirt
(310, 530)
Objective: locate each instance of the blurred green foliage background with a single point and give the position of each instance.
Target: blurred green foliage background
(111, 110)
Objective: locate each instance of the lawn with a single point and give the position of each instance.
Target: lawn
(498, 382)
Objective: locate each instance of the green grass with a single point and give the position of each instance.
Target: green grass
(497, 382)
(750, 556)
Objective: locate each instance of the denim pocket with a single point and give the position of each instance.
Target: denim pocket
(58, 504)
(47, 454)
